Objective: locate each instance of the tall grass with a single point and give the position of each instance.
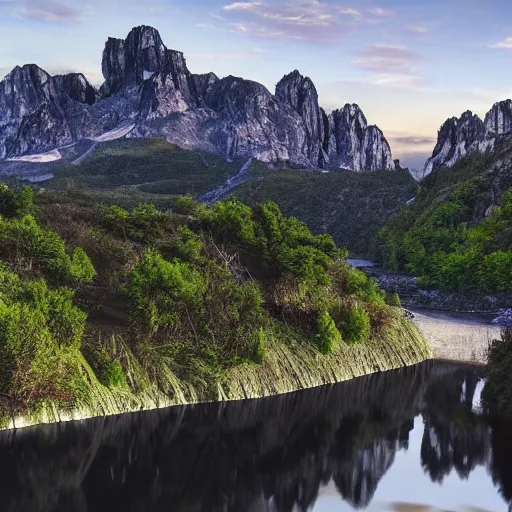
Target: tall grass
(291, 363)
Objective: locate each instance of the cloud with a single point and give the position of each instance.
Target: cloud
(243, 6)
(417, 29)
(384, 58)
(416, 83)
(348, 11)
(506, 44)
(400, 81)
(380, 12)
(315, 21)
(49, 11)
(413, 140)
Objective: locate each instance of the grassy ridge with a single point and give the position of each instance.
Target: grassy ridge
(148, 166)
(291, 364)
(350, 206)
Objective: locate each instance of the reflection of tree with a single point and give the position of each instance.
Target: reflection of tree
(454, 438)
(358, 470)
(271, 455)
(501, 465)
(447, 446)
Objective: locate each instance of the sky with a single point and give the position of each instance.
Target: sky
(409, 64)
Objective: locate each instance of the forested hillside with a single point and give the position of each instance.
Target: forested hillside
(457, 234)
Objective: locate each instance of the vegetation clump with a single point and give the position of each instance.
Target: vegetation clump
(329, 338)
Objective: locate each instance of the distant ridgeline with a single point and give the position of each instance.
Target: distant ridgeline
(467, 134)
(105, 310)
(457, 233)
(149, 92)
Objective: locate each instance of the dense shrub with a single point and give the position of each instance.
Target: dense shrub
(261, 346)
(392, 299)
(144, 224)
(163, 292)
(176, 298)
(357, 325)
(15, 203)
(40, 336)
(188, 245)
(329, 338)
(185, 205)
(35, 252)
(449, 243)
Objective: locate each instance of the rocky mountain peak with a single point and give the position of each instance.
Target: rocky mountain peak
(295, 89)
(460, 136)
(130, 62)
(143, 38)
(149, 92)
(142, 60)
(499, 119)
(23, 90)
(76, 87)
(456, 138)
(238, 97)
(299, 93)
(356, 146)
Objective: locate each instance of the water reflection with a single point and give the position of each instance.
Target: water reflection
(275, 454)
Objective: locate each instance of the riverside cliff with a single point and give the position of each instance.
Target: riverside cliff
(143, 309)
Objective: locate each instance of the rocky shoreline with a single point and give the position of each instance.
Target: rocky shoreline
(414, 296)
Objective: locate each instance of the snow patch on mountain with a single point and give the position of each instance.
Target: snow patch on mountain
(117, 133)
(50, 156)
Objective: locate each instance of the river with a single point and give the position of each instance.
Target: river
(412, 439)
(454, 336)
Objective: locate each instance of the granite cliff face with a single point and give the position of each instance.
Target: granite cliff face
(148, 91)
(300, 94)
(459, 136)
(39, 112)
(355, 145)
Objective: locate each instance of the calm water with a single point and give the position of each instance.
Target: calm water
(404, 440)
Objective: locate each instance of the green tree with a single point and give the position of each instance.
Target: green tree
(40, 337)
(165, 293)
(36, 252)
(15, 203)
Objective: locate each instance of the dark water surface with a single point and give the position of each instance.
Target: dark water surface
(404, 440)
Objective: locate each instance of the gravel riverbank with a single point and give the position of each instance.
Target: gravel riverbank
(457, 336)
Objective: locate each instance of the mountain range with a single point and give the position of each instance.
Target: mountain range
(149, 92)
(458, 137)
